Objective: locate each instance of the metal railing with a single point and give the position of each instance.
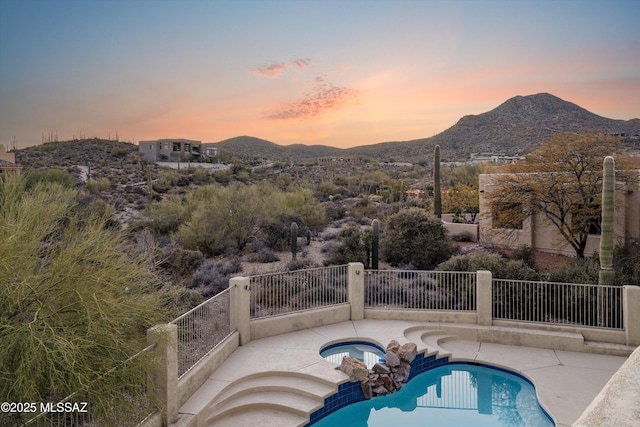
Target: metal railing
(558, 303)
(282, 293)
(127, 405)
(420, 290)
(201, 329)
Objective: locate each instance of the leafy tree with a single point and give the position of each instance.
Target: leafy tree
(562, 180)
(74, 300)
(461, 200)
(415, 238)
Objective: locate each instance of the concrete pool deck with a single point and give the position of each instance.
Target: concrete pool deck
(280, 380)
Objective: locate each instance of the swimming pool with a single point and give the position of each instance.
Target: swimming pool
(451, 395)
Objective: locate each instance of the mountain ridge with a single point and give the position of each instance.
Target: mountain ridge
(515, 127)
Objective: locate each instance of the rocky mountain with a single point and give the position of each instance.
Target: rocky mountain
(515, 127)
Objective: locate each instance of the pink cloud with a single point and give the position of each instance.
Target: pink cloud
(274, 71)
(320, 99)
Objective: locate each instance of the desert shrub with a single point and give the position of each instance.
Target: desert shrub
(178, 300)
(263, 255)
(499, 266)
(57, 175)
(75, 299)
(179, 262)
(465, 236)
(415, 238)
(526, 254)
(334, 211)
(223, 218)
(300, 263)
(626, 263)
(275, 234)
(223, 176)
(364, 209)
(201, 175)
(165, 217)
(99, 184)
(258, 252)
(354, 246)
(212, 277)
(582, 270)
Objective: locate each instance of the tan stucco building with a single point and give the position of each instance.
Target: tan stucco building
(537, 232)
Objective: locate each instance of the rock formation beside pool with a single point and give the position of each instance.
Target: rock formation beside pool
(386, 377)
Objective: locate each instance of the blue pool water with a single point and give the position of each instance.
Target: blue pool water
(365, 352)
(456, 394)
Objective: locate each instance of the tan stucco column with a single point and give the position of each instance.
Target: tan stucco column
(356, 290)
(164, 377)
(484, 297)
(240, 305)
(631, 313)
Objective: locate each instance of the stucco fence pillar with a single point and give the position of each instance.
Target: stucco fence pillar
(484, 297)
(355, 282)
(631, 310)
(240, 302)
(164, 376)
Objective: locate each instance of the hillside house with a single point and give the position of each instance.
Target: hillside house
(8, 162)
(538, 233)
(171, 150)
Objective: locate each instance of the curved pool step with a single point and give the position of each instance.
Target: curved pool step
(434, 341)
(416, 334)
(283, 398)
(274, 404)
(307, 386)
(260, 417)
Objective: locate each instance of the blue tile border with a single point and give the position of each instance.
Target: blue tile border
(351, 392)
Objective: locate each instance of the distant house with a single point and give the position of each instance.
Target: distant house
(171, 150)
(538, 233)
(8, 162)
(209, 149)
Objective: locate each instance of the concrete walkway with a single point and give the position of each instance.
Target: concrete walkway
(280, 380)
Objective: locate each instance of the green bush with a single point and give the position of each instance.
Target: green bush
(167, 216)
(526, 254)
(413, 238)
(57, 175)
(582, 270)
(499, 266)
(179, 262)
(75, 301)
(354, 246)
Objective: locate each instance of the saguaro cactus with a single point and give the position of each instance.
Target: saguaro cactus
(606, 234)
(375, 244)
(437, 197)
(294, 239)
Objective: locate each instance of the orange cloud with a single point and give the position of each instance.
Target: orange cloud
(319, 100)
(274, 71)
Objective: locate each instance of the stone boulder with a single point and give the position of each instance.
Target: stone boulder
(356, 369)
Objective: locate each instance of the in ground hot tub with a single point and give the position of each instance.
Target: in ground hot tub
(364, 351)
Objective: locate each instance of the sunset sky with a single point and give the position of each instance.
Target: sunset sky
(338, 73)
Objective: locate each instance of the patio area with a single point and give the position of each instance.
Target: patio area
(280, 380)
